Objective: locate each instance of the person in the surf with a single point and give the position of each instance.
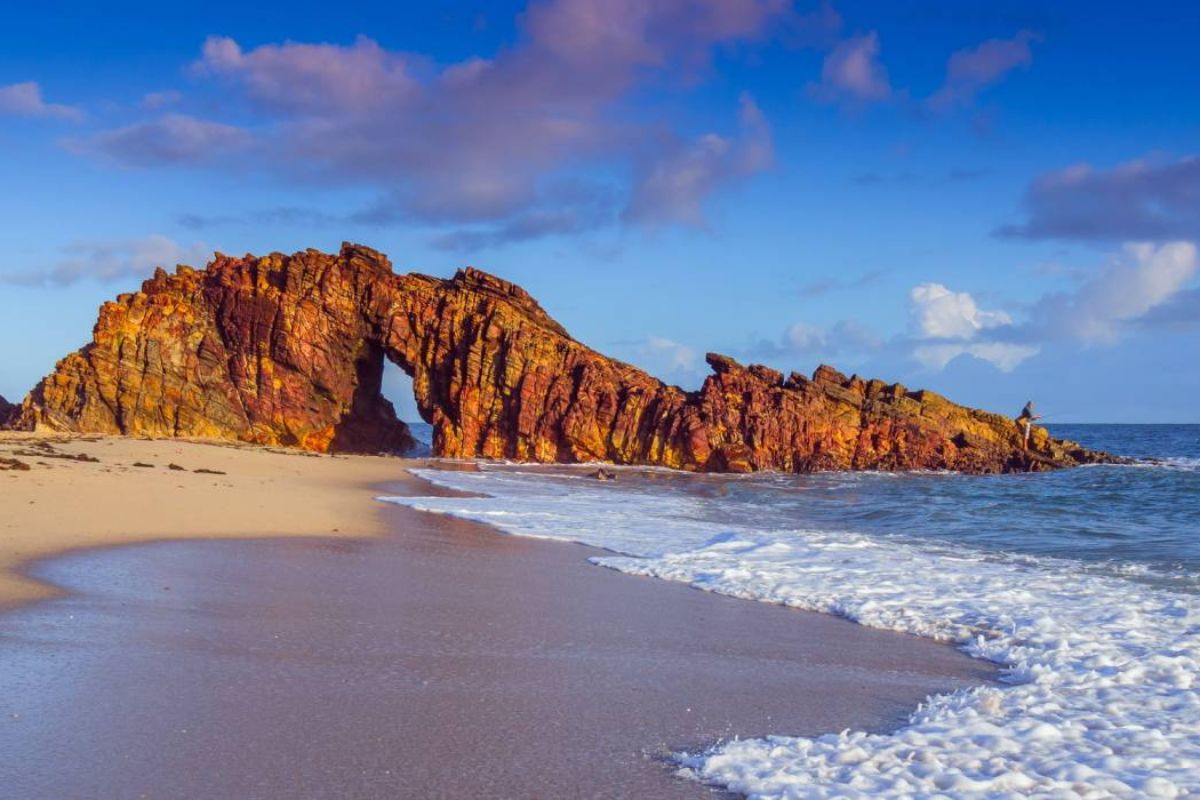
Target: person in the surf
(1026, 420)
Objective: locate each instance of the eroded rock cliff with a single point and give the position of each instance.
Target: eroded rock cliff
(7, 412)
(289, 350)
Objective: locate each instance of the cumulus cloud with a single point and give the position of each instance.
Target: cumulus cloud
(25, 100)
(939, 313)
(948, 324)
(106, 260)
(1147, 199)
(852, 73)
(485, 141)
(673, 189)
(970, 70)
(173, 139)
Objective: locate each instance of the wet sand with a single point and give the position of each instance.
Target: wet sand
(439, 660)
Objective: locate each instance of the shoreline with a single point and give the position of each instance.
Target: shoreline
(535, 632)
(60, 505)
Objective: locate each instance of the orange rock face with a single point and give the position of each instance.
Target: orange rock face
(289, 350)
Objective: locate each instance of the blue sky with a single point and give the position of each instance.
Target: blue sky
(997, 201)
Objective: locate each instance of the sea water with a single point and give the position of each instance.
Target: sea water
(1084, 584)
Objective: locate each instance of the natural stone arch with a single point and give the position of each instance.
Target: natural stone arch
(289, 350)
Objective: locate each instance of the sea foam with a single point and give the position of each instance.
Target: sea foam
(1103, 699)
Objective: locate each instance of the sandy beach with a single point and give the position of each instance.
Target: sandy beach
(61, 504)
(357, 649)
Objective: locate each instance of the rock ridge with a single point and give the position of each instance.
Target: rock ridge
(289, 350)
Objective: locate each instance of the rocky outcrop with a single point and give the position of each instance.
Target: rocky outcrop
(274, 350)
(289, 350)
(7, 412)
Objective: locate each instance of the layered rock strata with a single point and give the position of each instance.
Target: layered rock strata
(289, 350)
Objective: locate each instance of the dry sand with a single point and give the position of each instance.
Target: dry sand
(60, 505)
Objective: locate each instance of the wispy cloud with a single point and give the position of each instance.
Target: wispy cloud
(522, 228)
(825, 286)
(677, 356)
(170, 140)
(1143, 277)
(852, 73)
(666, 359)
(954, 175)
(674, 187)
(108, 260)
(804, 341)
(854, 76)
(25, 100)
(282, 215)
(973, 69)
(153, 101)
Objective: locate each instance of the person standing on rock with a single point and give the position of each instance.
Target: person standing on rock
(1026, 420)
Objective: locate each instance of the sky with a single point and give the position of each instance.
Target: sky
(998, 201)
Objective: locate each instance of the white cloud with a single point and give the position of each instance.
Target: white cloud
(939, 313)
(948, 324)
(1005, 356)
(25, 100)
(1142, 278)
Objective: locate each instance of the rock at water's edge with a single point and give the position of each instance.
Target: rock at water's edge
(7, 412)
(289, 350)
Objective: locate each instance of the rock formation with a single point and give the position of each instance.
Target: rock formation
(289, 350)
(7, 412)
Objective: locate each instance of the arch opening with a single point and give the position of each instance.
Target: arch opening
(397, 388)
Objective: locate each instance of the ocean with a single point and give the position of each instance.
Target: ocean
(1084, 584)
